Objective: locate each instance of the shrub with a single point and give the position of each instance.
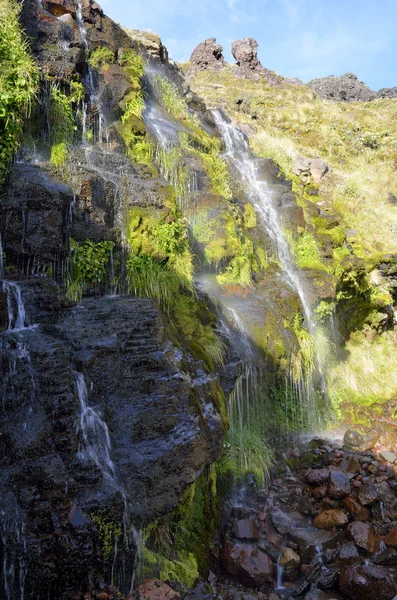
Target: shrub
(18, 82)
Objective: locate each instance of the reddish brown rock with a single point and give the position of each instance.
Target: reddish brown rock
(358, 512)
(364, 536)
(154, 589)
(391, 538)
(319, 492)
(367, 582)
(338, 485)
(246, 529)
(245, 561)
(328, 519)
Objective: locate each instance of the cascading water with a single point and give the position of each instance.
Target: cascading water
(15, 306)
(96, 448)
(13, 546)
(259, 194)
(94, 97)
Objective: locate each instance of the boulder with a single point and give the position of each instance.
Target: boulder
(328, 519)
(207, 55)
(310, 542)
(338, 485)
(364, 536)
(245, 52)
(154, 589)
(246, 529)
(346, 88)
(367, 582)
(317, 476)
(245, 561)
(353, 438)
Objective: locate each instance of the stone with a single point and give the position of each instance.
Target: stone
(348, 553)
(387, 557)
(246, 562)
(370, 440)
(353, 438)
(318, 169)
(281, 521)
(154, 589)
(310, 541)
(346, 88)
(387, 456)
(245, 51)
(338, 485)
(367, 494)
(328, 519)
(391, 538)
(387, 93)
(364, 536)
(289, 559)
(249, 66)
(207, 55)
(357, 511)
(322, 595)
(367, 582)
(246, 529)
(301, 165)
(352, 466)
(317, 476)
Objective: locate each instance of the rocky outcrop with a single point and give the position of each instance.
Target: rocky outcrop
(346, 88)
(150, 41)
(249, 66)
(207, 55)
(306, 169)
(387, 93)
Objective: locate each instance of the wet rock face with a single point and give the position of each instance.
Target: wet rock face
(207, 55)
(246, 562)
(163, 431)
(346, 88)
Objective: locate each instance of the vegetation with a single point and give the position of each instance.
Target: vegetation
(89, 266)
(101, 57)
(62, 126)
(18, 82)
(358, 140)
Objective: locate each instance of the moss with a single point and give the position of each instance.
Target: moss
(249, 217)
(307, 254)
(61, 126)
(109, 532)
(89, 266)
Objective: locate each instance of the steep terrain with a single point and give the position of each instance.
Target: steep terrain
(194, 272)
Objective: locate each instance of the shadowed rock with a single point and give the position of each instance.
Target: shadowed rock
(366, 583)
(346, 88)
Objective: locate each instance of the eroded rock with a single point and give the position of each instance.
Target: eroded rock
(367, 582)
(247, 562)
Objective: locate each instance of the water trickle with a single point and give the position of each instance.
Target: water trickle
(13, 550)
(95, 433)
(15, 306)
(96, 448)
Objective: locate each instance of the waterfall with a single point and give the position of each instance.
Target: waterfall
(13, 542)
(1, 260)
(95, 433)
(91, 83)
(15, 306)
(261, 197)
(96, 448)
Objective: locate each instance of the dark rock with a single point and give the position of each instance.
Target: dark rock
(321, 595)
(346, 88)
(318, 476)
(386, 557)
(338, 485)
(367, 582)
(367, 494)
(289, 559)
(246, 529)
(247, 563)
(281, 521)
(364, 536)
(245, 52)
(309, 541)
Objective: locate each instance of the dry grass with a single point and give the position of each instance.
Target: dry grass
(357, 140)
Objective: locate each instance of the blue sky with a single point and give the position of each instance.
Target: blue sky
(301, 38)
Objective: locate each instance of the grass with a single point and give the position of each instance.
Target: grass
(62, 126)
(101, 57)
(357, 140)
(367, 374)
(18, 82)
